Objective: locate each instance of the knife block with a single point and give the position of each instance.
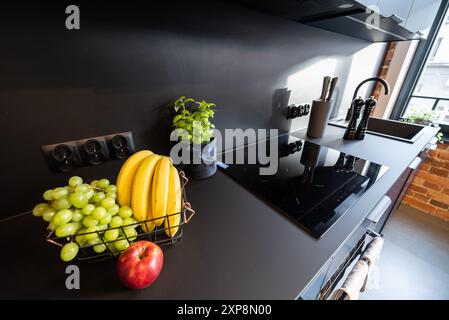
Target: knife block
(319, 117)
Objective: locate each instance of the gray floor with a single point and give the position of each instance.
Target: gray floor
(415, 259)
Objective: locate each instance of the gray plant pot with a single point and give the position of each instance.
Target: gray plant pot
(203, 160)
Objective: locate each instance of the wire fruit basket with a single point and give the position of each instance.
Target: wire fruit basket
(158, 235)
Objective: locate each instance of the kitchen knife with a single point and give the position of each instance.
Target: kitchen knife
(332, 89)
(326, 83)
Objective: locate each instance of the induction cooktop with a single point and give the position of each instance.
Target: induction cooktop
(314, 186)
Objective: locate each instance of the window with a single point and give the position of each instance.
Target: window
(436, 48)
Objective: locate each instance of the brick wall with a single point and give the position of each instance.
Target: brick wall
(429, 191)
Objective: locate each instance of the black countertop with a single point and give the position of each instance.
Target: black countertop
(236, 247)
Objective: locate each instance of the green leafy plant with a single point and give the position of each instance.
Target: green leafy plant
(193, 117)
(423, 117)
(420, 116)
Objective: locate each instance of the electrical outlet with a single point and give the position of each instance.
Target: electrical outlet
(62, 157)
(94, 151)
(121, 145)
(67, 156)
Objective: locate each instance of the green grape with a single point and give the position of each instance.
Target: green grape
(61, 204)
(131, 234)
(90, 221)
(113, 210)
(69, 251)
(98, 196)
(99, 213)
(125, 212)
(94, 183)
(88, 209)
(111, 195)
(62, 217)
(106, 219)
(52, 226)
(112, 248)
(77, 216)
(79, 200)
(75, 181)
(80, 237)
(83, 188)
(39, 210)
(100, 248)
(60, 193)
(103, 183)
(121, 244)
(111, 189)
(91, 233)
(68, 229)
(107, 203)
(49, 214)
(102, 227)
(129, 223)
(111, 235)
(116, 221)
(89, 194)
(95, 241)
(48, 195)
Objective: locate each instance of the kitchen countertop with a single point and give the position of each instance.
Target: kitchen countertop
(236, 247)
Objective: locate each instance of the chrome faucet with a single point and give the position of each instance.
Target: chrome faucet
(382, 81)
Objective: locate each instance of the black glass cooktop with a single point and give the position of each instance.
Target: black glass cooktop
(314, 186)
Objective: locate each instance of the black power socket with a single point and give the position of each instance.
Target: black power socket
(68, 156)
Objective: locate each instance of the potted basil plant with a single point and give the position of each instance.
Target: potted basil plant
(192, 121)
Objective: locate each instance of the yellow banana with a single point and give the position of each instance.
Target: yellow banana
(126, 177)
(171, 223)
(141, 187)
(159, 196)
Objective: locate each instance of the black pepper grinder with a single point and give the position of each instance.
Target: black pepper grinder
(370, 105)
(357, 106)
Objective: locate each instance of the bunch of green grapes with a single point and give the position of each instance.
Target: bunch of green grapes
(87, 211)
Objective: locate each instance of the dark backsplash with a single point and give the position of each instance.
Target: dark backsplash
(125, 65)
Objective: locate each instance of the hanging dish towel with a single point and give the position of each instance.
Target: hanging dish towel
(354, 283)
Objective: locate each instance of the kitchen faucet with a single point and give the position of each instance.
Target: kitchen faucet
(382, 81)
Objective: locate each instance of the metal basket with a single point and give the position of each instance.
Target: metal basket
(157, 236)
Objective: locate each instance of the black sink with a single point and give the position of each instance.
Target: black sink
(402, 131)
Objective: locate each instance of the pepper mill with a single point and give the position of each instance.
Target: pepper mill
(370, 105)
(357, 106)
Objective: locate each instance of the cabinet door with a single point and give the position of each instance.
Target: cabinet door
(422, 16)
(400, 8)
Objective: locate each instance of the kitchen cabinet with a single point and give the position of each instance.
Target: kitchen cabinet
(394, 8)
(422, 15)
(399, 20)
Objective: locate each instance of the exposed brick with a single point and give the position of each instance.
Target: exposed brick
(432, 186)
(439, 204)
(435, 162)
(443, 146)
(421, 206)
(418, 189)
(410, 193)
(421, 197)
(446, 191)
(434, 153)
(407, 199)
(443, 214)
(439, 172)
(441, 197)
(446, 166)
(432, 178)
(443, 154)
(425, 167)
(418, 181)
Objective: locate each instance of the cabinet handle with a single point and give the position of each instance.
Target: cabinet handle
(379, 209)
(396, 19)
(415, 163)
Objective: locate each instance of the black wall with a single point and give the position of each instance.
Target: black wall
(125, 64)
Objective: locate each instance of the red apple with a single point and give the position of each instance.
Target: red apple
(140, 264)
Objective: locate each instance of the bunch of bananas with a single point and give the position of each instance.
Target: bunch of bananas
(150, 185)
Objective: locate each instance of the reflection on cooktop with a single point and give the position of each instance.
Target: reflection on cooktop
(314, 185)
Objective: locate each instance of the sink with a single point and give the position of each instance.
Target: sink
(396, 130)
